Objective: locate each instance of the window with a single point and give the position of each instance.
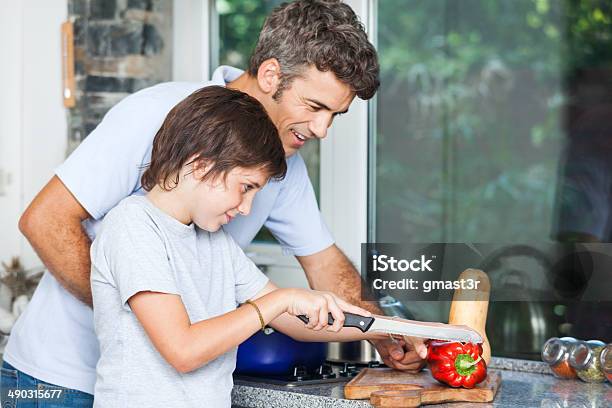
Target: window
(490, 127)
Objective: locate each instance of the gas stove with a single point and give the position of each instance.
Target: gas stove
(328, 372)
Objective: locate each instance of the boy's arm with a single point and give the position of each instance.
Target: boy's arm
(188, 346)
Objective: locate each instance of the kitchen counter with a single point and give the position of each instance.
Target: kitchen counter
(524, 384)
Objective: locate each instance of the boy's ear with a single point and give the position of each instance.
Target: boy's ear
(268, 76)
(200, 168)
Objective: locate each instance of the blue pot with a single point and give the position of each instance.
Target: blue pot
(276, 354)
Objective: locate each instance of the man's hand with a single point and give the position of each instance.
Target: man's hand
(408, 354)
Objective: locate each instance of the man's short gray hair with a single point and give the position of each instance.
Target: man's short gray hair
(323, 33)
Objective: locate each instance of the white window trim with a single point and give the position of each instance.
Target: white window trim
(191, 45)
(344, 166)
(344, 153)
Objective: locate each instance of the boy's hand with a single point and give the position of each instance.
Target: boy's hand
(316, 305)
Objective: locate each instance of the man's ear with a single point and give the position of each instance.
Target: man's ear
(268, 76)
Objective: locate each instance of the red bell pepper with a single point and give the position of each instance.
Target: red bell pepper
(456, 364)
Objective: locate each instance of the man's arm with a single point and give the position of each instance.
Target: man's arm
(52, 225)
(330, 270)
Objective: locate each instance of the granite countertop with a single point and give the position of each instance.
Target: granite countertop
(524, 384)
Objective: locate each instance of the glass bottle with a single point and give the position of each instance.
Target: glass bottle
(605, 359)
(584, 358)
(555, 353)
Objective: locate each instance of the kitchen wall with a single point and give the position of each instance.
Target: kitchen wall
(121, 46)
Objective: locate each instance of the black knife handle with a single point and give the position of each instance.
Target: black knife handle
(350, 320)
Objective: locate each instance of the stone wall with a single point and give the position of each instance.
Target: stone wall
(120, 46)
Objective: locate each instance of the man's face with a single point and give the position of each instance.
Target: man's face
(307, 108)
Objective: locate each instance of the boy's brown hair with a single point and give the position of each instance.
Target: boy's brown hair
(216, 125)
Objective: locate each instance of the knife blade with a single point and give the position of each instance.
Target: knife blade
(404, 327)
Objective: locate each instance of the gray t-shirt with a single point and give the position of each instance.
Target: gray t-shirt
(141, 248)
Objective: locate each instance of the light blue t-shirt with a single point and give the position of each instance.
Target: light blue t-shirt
(140, 248)
(54, 339)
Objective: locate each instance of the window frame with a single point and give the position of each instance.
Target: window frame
(344, 164)
(191, 43)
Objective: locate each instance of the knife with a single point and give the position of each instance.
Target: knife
(413, 328)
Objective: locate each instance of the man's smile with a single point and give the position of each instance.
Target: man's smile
(299, 136)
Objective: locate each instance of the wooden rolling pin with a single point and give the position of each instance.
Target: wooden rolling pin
(470, 307)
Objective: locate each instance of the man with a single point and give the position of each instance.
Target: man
(311, 60)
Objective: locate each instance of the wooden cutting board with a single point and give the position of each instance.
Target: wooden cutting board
(391, 388)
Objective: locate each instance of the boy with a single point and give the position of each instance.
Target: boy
(166, 279)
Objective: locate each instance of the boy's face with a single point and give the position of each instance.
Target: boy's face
(307, 108)
(216, 202)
